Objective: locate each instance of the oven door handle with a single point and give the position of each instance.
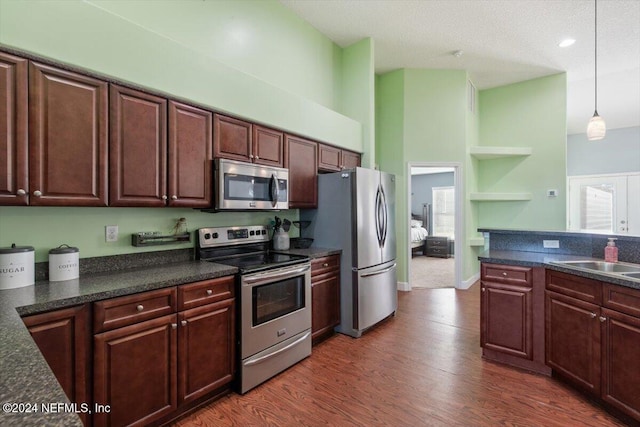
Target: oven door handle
(268, 277)
(275, 353)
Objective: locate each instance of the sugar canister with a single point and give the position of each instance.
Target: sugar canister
(17, 267)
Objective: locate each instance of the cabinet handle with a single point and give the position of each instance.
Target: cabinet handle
(37, 193)
(183, 323)
(21, 192)
(209, 292)
(174, 325)
(602, 319)
(257, 157)
(251, 156)
(593, 315)
(164, 197)
(326, 264)
(482, 289)
(174, 197)
(504, 273)
(140, 307)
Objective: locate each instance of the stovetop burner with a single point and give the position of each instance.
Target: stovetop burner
(242, 247)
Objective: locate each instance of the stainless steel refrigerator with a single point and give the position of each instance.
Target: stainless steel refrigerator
(356, 213)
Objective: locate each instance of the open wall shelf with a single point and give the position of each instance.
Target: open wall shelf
(476, 241)
(485, 152)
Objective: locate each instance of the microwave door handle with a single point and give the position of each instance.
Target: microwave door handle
(275, 191)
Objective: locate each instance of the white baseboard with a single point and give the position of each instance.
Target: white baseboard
(466, 284)
(404, 286)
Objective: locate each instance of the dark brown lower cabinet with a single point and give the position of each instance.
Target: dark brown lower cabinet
(135, 372)
(325, 296)
(512, 315)
(205, 349)
(593, 338)
(573, 340)
(63, 337)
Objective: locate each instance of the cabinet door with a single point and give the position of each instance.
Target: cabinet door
(68, 144)
(13, 130)
(268, 146)
(350, 159)
(190, 155)
(506, 319)
(301, 159)
(63, 337)
(620, 356)
(206, 349)
(325, 303)
(135, 372)
(138, 149)
(573, 340)
(329, 158)
(232, 138)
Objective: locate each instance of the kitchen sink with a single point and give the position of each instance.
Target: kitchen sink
(616, 269)
(609, 267)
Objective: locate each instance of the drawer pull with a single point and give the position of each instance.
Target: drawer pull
(504, 273)
(593, 315)
(174, 325)
(140, 307)
(209, 292)
(603, 319)
(326, 264)
(183, 323)
(483, 289)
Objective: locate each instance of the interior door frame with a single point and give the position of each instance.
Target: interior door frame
(459, 216)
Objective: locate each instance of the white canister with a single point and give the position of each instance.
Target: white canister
(64, 263)
(17, 267)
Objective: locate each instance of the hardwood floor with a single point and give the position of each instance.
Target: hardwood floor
(421, 368)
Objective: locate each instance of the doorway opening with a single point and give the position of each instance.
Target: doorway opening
(435, 222)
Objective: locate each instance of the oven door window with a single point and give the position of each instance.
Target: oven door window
(277, 299)
(245, 187)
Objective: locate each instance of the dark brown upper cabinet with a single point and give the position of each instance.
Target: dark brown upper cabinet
(138, 148)
(236, 139)
(333, 159)
(68, 146)
(13, 130)
(190, 155)
(301, 158)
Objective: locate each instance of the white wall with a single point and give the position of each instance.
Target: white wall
(618, 152)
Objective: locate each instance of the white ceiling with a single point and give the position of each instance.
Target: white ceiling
(504, 41)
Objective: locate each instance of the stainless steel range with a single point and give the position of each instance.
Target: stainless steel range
(274, 300)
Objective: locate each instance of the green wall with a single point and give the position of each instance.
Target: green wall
(525, 114)
(253, 59)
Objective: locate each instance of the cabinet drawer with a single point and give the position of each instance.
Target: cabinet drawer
(621, 298)
(205, 292)
(574, 286)
(325, 264)
(522, 276)
(437, 242)
(122, 311)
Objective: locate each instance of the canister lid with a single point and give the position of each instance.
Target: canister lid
(16, 249)
(63, 250)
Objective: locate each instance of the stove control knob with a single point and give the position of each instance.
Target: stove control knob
(214, 235)
(207, 236)
(264, 232)
(252, 233)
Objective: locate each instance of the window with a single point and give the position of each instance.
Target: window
(444, 212)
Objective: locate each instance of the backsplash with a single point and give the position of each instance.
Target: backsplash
(570, 243)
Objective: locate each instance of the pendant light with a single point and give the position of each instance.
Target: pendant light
(596, 128)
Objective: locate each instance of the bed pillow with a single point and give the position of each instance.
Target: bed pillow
(416, 223)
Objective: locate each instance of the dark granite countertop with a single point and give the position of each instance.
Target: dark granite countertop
(539, 259)
(25, 376)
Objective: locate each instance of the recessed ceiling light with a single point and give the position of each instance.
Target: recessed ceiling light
(566, 42)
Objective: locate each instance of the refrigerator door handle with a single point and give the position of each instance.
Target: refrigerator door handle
(384, 217)
(375, 273)
(377, 219)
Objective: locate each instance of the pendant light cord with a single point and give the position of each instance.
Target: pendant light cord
(596, 55)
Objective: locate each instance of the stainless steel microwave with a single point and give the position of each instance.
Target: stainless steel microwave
(245, 186)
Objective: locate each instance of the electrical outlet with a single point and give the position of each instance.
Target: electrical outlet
(555, 244)
(111, 233)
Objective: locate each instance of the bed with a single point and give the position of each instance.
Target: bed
(418, 236)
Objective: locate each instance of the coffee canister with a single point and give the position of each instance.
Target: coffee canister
(17, 267)
(64, 263)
